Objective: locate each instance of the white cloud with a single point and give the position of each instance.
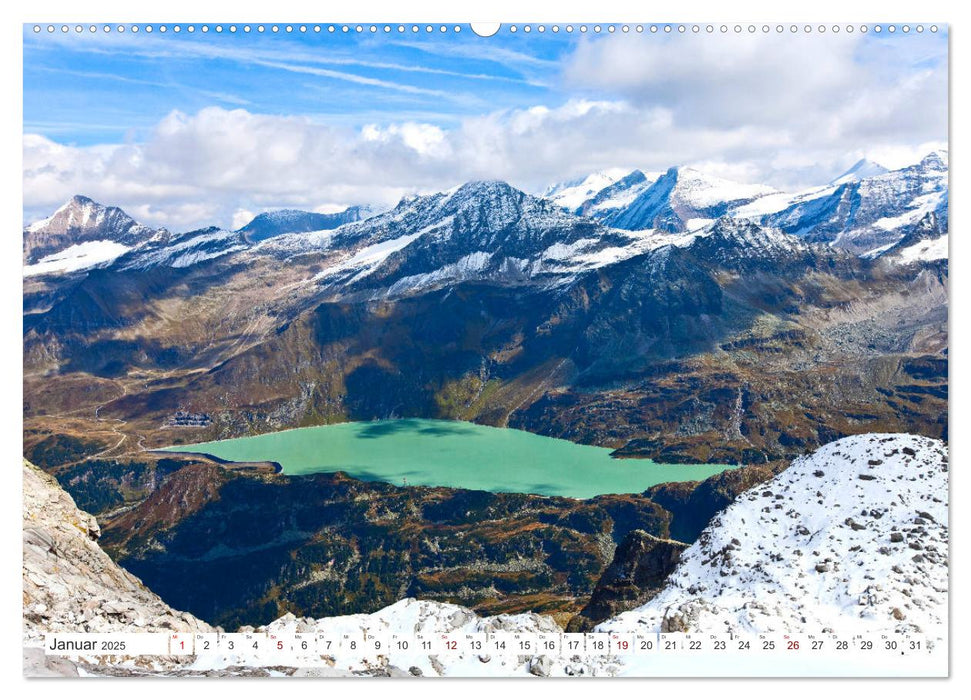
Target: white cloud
(423, 139)
(784, 81)
(899, 156)
(241, 217)
(815, 102)
(789, 111)
(201, 169)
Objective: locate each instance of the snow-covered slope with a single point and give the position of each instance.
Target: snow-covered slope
(924, 242)
(775, 203)
(80, 256)
(853, 539)
(924, 251)
(409, 617)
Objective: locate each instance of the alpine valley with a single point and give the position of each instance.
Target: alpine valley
(673, 316)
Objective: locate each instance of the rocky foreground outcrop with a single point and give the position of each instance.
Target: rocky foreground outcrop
(72, 585)
(851, 539)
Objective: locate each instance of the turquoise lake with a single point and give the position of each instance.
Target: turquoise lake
(452, 453)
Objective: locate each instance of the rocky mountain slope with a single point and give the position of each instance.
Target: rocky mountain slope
(70, 584)
(853, 538)
(528, 315)
(641, 564)
(328, 544)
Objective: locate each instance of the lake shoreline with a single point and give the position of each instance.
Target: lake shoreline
(230, 463)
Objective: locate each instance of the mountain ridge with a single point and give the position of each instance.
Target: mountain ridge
(867, 214)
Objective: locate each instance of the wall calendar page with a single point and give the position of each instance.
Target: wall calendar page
(590, 349)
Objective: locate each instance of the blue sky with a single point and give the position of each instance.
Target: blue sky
(201, 128)
(88, 88)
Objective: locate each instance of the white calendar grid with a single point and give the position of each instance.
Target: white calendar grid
(491, 652)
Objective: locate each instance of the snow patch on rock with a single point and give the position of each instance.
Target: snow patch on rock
(81, 256)
(924, 251)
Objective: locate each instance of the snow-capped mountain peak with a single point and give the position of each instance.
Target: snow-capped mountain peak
(81, 234)
(82, 214)
(935, 161)
(860, 170)
(685, 199)
(275, 223)
(75, 211)
(573, 193)
(745, 238)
